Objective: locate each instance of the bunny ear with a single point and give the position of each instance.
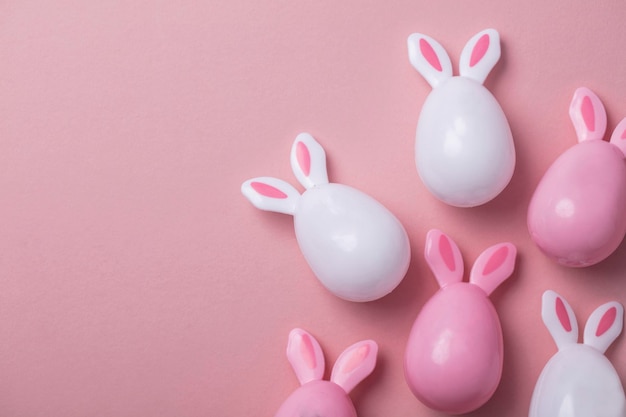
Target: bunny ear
(305, 355)
(604, 325)
(429, 59)
(493, 266)
(588, 115)
(308, 161)
(480, 55)
(559, 318)
(271, 194)
(618, 138)
(444, 258)
(354, 364)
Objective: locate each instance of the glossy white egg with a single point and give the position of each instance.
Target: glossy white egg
(579, 380)
(464, 150)
(355, 246)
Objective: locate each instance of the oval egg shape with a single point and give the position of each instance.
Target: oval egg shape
(454, 356)
(355, 246)
(577, 215)
(578, 382)
(464, 148)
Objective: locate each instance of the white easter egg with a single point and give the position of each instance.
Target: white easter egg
(464, 148)
(355, 246)
(578, 381)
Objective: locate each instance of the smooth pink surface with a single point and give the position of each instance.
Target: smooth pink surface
(606, 321)
(454, 354)
(588, 114)
(317, 398)
(496, 260)
(304, 158)
(135, 280)
(267, 190)
(430, 55)
(479, 50)
(561, 313)
(305, 356)
(577, 215)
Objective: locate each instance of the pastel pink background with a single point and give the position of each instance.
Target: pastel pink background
(135, 280)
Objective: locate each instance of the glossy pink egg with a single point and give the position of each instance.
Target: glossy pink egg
(454, 356)
(319, 398)
(577, 215)
(458, 321)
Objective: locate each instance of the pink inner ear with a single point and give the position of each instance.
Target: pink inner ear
(356, 358)
(304, 158)
(561, 313)
(606, 321)
(267, 190)
(480, 49)
(429, 53)
(496, 260)
(445, 249)
(589, 117)
(623, 135)
(307, 352)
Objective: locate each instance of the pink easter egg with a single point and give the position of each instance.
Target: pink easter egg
(577, 215)
(454, 356)
(317, 397)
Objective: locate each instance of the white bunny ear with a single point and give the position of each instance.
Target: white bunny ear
(306, 356)
(444, 258)
(354, 364)
(559, 318)
(618, 138)
(479, 55)
(493, 266)
(604, 325)
(271, 194)
(429, 59)
(308, 161)
(588, 115)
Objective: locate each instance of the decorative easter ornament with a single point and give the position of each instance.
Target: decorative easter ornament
(464, 149)
(453, 360)
(579, 380)
(317, 397)
(577, 215)
(355, 246)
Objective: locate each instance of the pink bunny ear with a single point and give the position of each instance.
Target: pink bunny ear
(354, 364)
(305, 355)
(618, 138)
(308, 161)
(444, 258)
(493, 266)
(271, 194)
(588, 115)
(604, 325)
(429, 59)
(480, 55)
(559, 318)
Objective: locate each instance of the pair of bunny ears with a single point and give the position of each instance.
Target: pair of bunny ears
(352, 366)
(589, 119)
(308, 162)
(492, 267)
(602, 328)
(478, 57)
